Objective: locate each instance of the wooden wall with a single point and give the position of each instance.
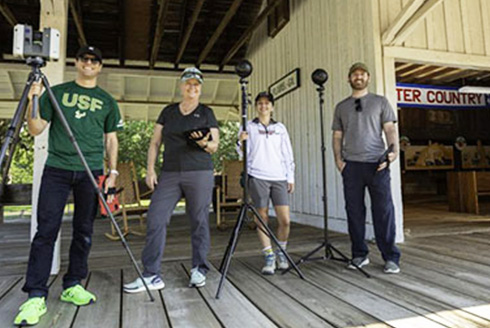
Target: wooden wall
(332, 35)
(460, 26)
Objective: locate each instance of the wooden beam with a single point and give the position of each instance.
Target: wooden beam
(405, 14)
(122, 32)
(5, 11)
(162, 13)
(248, 33)
(434, 57)
(221, 27)
(77, 18)
(414, 21)
(183, 10)
(188, 32)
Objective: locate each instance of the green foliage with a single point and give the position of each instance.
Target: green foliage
(21, 168)
(133, 145)
(228, 135)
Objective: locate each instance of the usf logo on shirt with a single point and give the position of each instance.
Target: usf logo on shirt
(82, 102)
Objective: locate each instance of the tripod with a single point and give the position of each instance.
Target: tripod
(244, 69)
(36, 75)
(319, 77)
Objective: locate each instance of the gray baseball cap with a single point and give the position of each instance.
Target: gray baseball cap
(192, 73)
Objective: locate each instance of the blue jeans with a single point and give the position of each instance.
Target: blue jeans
(357, 176)
(55, 189)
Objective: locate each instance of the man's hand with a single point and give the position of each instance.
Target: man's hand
(340, 165)
(391, 158)
(151, 180)
(290, 188)
(110, 182)
(36, 88)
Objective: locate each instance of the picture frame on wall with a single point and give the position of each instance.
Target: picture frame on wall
(430, 157)
(286, 84)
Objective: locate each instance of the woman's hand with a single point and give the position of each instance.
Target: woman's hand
(151, 180)
(243, 136)
(198, 135)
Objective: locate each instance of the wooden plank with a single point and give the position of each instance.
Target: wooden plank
(77, 19)
(60, 314)
(159, 29)
(139, 311)
(405, 14)
(7, 283)
(333, 310)
(469, 192)
(417, 18)
(364, 299)
(485, 12)
(248, 33)
(232, 308)
(219, 30)
(454, 28)
(438, 57)
(188, 32)
(381, 285)
(185, 306)
(106, 285)
(280, 307)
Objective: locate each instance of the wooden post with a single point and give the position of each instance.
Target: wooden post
(53, 14)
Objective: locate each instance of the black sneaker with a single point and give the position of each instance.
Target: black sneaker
(359, 262)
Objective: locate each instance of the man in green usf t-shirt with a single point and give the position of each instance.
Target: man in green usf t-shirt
(93, 116)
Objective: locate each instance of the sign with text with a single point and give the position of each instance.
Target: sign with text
(286, 84)
(426, 96)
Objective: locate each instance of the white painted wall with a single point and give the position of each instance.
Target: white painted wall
(331, 35)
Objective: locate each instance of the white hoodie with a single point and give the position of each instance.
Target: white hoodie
(269, 151)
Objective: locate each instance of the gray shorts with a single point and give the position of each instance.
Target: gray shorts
(262, 190)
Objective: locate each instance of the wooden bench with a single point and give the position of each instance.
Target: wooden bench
(464, 188)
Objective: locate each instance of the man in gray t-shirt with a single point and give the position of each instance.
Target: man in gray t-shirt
(358, 124)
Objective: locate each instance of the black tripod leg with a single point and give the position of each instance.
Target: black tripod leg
(346, 259)
(236, 231)
(305, 257)
(274, 239)
(225, 263)
(67, 128)
(14, 129)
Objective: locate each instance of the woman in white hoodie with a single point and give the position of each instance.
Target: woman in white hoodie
(271, 175)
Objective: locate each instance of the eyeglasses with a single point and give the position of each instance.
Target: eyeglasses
(93, 60)
(358, 105)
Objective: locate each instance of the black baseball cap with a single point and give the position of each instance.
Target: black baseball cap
(89, 50)
(265, 94)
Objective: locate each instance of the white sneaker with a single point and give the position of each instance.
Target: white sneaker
(270, 264)
(282, 261)
(198, 279)
(153, 282)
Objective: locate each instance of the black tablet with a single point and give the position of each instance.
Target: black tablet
(204, 132)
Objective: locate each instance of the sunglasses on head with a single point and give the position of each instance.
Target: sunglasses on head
(191, 75)
(85, 60)
(358, 105)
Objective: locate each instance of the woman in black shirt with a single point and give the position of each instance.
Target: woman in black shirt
(190, 133)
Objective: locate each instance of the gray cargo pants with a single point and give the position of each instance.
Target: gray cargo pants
(197, 188)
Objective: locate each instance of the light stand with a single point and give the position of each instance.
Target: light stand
(319, 77)
(244, 69)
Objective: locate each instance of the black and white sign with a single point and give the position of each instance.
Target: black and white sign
(286, 84)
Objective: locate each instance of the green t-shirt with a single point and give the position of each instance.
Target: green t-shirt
(90, 112)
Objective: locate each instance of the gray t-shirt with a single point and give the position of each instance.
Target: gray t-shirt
(362, 131)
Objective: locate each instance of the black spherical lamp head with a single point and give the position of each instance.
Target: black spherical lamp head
(319, 76)
(244, 68)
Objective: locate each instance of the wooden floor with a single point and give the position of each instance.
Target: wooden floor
(445, 282)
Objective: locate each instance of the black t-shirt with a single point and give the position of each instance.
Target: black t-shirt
(179, 153)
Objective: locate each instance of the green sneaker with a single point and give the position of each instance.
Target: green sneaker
(78, 296)
(30, 312)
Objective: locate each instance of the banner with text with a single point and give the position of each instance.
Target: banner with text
(427, 96)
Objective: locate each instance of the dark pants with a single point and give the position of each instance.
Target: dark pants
(357, 176)
(55, 189)
(197, 188)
